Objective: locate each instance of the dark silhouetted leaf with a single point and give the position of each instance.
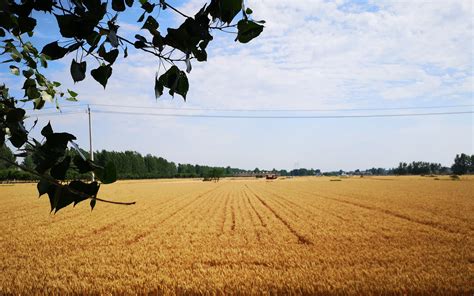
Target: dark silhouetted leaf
(44, 5)
(247, 30)
(190, 35)
(93, 202)
(150, 24)
(43, 187)
(139, 44)
(88, 189)
(26, 24)
(108, 174)
(140, 19)
(118, 5)
(54, 51)
(140, 37)
(59, 170)
(174, 79)
(77, 191)
(102, 74)
(110, 56)
(112, 36)
(158, 87)
(47, 130)
(148, 7)
(83, 166)
(28, 73)
(71, 26)
(78, 70)
(225, 10)
(129, 3)
(15, 115)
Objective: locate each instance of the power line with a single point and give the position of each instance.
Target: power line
(55, 114)
(269, 110)
(285, 110)
(284, 117)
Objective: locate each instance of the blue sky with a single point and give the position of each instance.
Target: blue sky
(311, 55)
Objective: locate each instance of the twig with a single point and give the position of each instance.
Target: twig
(172, 8)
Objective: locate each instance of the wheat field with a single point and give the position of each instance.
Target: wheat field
(379, 235)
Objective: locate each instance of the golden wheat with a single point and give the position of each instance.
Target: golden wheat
(389, 235)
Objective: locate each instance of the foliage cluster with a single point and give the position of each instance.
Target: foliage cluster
(90, 30)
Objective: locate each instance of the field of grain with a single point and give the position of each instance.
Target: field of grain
(385, 235)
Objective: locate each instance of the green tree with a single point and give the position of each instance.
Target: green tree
(89, 31)
(6, 153)
(462, 164)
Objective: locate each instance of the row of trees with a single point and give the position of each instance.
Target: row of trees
(420, 168)
(463, 164)
(128, 164)
(133, 165)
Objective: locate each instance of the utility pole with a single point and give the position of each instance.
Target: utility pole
(90, 139)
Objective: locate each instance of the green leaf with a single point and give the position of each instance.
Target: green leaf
(78, 70)
(72, 93)
(108, 174)
(72, 99)
(15, 70)
(102, 74)
(129, 3)
(43, 61)
(248, 11)
(118, 5)
(247, 30)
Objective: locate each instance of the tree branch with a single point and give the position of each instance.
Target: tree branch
(174, 9)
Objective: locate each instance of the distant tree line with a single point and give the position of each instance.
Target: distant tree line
(129, 165)
(420, 168)
(133, 165)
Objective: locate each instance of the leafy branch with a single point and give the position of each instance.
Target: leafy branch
(89, 27)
